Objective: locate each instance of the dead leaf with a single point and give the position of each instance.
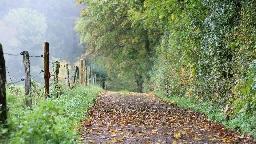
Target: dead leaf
(177, 135)
(197, 138)
(120, 140)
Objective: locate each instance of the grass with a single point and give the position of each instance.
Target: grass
(50, 121)
(242, 122)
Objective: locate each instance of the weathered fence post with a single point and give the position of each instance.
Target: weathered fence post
(95, 79)
(85, 73)
(56, 77)
(76, 74)
(88, 72)
(46, 69)
(81, 71)
(67, 75)
(92, 77)
(3, 107)
(26, 63)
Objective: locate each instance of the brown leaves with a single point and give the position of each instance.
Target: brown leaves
(144, 118)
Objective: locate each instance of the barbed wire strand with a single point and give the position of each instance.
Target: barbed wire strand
(8, 74)
(10, 54)
(32, 77)
(12, 83)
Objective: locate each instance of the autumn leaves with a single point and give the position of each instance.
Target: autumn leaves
(145, 118)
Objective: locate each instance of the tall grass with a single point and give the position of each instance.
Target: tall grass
(52, 120)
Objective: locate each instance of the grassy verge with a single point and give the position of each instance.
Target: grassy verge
(241, 122)
(51, 121)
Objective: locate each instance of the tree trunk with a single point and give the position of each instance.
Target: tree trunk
(139, 82)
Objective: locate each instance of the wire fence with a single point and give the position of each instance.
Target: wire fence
(22, 53)
(52, 73)
(11, 81)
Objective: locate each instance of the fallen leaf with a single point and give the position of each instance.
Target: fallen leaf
(113, 140)
(197, 138)
(212, 139)
(120, 140)
(177, 135)
(139, 134)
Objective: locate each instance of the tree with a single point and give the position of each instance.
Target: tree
(29, 25)
(24, 30)
(108, 31)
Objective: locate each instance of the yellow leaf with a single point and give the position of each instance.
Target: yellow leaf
(197, 138)
(160, 16)
(91, 141)
(139, 134)
(114, 132)
(120, 140)
(113, 140)
(172, 17)
(212, 139)
(197, 30)
(174, 142)
(177, 135)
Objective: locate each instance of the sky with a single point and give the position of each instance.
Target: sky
(26, 24)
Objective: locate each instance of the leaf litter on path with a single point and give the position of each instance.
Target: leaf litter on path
(145, 118)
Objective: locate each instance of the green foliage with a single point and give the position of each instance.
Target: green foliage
(46, 123)
(50, 121)
(106, 28)
(203, 50)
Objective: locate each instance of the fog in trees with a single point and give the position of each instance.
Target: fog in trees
(26, 24)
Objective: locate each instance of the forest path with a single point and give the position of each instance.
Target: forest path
(145, 118)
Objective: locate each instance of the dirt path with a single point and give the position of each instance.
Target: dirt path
(144, 118)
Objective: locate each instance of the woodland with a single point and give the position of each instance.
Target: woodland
(204, 50)
(185, 59)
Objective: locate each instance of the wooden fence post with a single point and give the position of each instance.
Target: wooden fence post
(81, 71)
(95, 79)
(56, 77)
(46, 69)
(92, 77)
(3, 107)
(88, 72)
(85, 73)
(26, 63)
(76, 74)
(67, 75)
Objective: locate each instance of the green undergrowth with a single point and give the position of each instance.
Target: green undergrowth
(51, 121)
(242, 122)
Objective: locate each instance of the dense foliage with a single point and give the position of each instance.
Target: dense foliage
(203, 49)
(54, 120)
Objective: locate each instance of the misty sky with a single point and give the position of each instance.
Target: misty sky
(26, 24)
